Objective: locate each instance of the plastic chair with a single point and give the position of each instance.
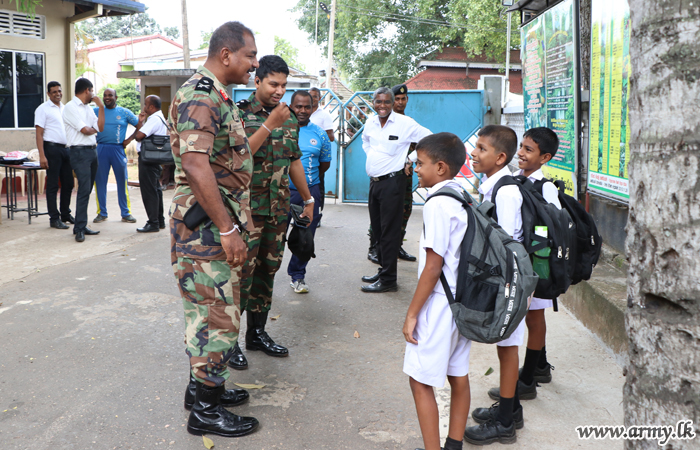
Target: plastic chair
(18, 174)
(40, 174)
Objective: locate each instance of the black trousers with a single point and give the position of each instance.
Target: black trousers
(58, 157)
(385, 214)
(84, 163)
(152, 196)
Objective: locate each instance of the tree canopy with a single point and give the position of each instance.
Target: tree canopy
(127, 95)
(288, 52)
(107, 28)
(378, 42)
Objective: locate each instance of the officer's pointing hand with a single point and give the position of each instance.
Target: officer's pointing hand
(278, 116)
(235, 249)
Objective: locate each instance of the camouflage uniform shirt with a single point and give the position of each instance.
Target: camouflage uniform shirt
(270, 187)
(204, 119)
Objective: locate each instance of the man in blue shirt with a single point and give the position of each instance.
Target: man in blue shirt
(316, 159)
(110, 153)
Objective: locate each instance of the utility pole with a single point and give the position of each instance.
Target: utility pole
(316, 39)
(331, 34)
(185, 36)
(507, 84)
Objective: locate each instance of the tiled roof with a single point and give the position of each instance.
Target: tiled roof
(127, 41)
(441, 78)
(458, 54)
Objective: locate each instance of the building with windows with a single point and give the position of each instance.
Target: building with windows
(39, 49)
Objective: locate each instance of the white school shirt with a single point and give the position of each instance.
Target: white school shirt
(444, 225)
(387, 147)
(549, 190)
(509, 203)
(49, 116)
(154, 126)
(76, 116)
(321, 118)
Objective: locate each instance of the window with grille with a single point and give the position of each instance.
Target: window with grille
(19, 24)
(22, 83)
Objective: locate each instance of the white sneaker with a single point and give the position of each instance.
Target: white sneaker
(300, 287)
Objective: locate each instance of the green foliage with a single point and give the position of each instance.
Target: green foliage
(172, 32)
(127, 95)
(289, 53)
(379, 42)
(106, 28)
(27, 6)
(206, 37)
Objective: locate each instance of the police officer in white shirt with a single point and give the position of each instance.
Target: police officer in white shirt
(386, 139)
(53, 155)
(81, 127)
(149, 174)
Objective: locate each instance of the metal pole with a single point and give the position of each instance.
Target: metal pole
(185, 36)
(331, 34)
(507, 84)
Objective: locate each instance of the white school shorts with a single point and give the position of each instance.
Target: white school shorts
(441, 349)
(540, 303)
(516, 339)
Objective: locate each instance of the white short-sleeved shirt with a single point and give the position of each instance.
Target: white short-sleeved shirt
(509, 203)
(155, 125)
(444, 225)
(387, 147)
(76, 116)
(49, 116)
(549, 190)
(321, 118)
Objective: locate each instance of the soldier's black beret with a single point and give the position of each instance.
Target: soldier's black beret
(400, 89)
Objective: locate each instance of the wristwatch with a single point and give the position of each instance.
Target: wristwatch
(309, 201)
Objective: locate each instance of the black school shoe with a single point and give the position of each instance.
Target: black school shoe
(489, 432)
(541, 375)
(379, 286)
(525, 392)
(482, 415)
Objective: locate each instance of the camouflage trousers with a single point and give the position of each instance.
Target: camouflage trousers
(407, 210)
(265, 251)
(210, 293)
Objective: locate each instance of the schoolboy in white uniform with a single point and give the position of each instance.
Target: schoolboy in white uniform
(494, 150)
(435, 349)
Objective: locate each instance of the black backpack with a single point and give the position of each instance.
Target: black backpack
(588, 241)
(561, 236)
(495, 279)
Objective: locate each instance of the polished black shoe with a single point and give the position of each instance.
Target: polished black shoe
(161, 225)
(256, 338)
(525, 392)
(372, 255)
(230, 397)
(379, 286)
(148, 228)
(70, 219)
(489, 432)
(403, 254)
(58, 223)
(89, 232)
(238, 360)
(481, 415)
(208, 415)
(371, 278)
(544, 375)
(79, 236)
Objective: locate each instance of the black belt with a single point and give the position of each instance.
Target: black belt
(83, 147)
(53, 144)
(384, 177)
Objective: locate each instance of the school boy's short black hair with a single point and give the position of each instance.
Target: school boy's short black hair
(271, 64)
(230, 35)
(52, 84)
(546, 139)
(303, 94)
(502, 138)
(445, 147)
(82, 85)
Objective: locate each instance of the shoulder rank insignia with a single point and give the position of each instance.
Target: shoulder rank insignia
(242, 104)
(205, 84)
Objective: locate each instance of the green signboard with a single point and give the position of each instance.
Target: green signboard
(550, 84)
(609, 119)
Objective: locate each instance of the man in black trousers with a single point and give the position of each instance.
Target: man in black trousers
(386, 139)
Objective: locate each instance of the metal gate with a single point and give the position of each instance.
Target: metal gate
(460, 112)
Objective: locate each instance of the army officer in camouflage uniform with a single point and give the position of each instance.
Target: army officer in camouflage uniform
(277, 156)
(213, 172)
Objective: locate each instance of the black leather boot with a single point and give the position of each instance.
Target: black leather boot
(238, 360)
(230, 397)
(208, 416)
(257, 339)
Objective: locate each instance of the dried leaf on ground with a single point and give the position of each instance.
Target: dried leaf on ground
(249, 386)
(356, 335)
(276, 317)
(208, 443)
(489, 372)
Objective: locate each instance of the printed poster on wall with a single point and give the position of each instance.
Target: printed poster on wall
(550, 85)
(609, 120)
